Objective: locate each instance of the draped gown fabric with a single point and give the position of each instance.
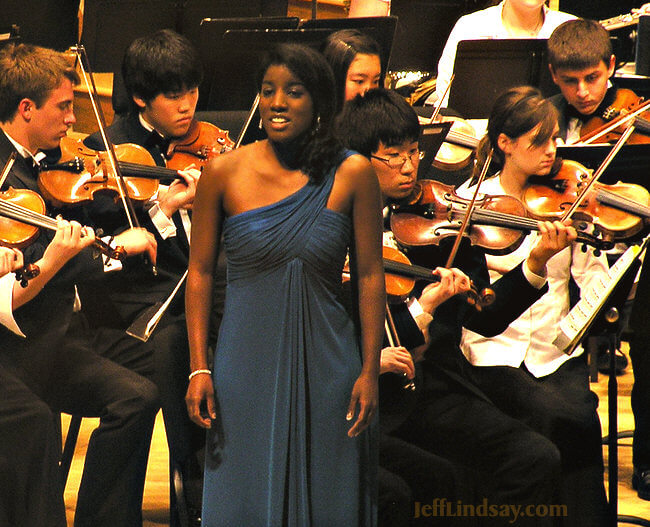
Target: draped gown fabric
(286, 361)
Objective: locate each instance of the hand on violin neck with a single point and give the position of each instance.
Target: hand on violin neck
(138, 241)
(396, 360)
(452, 282)
(180, 194)
(70, 239)
(10, 260)
(554, 237)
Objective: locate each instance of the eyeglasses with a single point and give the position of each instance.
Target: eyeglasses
(398, 160)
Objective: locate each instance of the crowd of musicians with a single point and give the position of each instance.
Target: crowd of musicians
(301, 381)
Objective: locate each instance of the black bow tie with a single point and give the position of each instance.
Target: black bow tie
(156, 140)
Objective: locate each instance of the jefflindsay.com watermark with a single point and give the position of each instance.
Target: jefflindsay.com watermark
(442, 507)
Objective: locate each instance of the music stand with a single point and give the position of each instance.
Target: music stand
(241, 54)
(479, 76)
(431, 138)
(381, 28)
(210, 44)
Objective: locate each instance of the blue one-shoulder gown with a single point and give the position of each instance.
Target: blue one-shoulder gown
(286, 361)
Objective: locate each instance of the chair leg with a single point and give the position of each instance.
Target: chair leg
(68, 448)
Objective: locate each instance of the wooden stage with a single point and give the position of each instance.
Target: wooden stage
(156, 492)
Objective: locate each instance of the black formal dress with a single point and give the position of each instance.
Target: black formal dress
(57, 364)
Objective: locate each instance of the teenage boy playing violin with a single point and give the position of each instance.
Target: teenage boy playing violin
(582, 63)
(447, 421)
(45, 343)
(161, 72)
(522, 371)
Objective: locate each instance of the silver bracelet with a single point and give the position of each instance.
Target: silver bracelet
(198, 372)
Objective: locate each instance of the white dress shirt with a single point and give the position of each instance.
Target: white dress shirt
(529, 339)
(484, 24)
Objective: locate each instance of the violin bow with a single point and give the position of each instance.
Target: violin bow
(393, 340)
(144, 325)
(247, 123)
(7, 168)
(89, 80)
(470, 209)
(438, 106)
(599, 171)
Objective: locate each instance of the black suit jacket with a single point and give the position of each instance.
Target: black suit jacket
(136, 288)
(444, 367)
(46, 318)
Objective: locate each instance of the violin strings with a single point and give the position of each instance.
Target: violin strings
(414, 271)
(26, 215)
(137, 169)
(504, 220)
(622, 202)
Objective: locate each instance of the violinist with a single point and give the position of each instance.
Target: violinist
(521, 370)
(45, 343)
(582, 64)
(161, 72)
(355, 58)
(450, 424)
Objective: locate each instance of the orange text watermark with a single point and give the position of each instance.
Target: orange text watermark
(442, 507)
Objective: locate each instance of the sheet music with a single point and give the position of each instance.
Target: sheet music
(574, 326)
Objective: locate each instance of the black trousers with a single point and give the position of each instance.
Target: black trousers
(563, 409)
(70, 377)
(30, 492)
(516, 465)
(164, 359)
(411, 478)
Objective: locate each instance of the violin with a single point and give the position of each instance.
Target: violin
(22, 214)
(498, 224)
(457, 151)
(202, 142)
(604, 127)
(618, 211)
(401, 275)
(82, 172)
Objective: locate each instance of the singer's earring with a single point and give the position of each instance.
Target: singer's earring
(260, 125)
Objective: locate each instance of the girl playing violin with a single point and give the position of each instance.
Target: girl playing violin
(521, 369)
(445, 424)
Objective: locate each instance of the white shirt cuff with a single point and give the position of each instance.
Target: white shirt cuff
(533, 279)
(6, 304)
(165, 225)
(421, 317)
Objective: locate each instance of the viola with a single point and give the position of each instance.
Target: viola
(498, 224)
(22, 214)
(82, 172)
(401, 276)
(202, 142)
(597, 128)
(618, 211)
